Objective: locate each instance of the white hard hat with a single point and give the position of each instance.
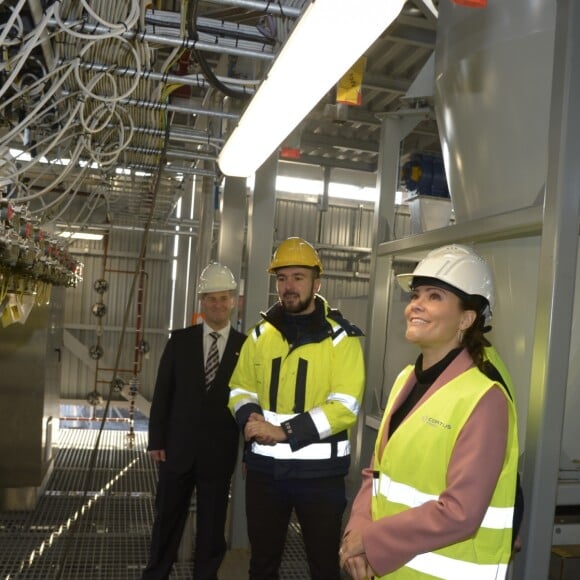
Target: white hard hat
(216, 278)
(456, 265)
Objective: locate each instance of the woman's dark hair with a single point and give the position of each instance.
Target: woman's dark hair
(474, 337)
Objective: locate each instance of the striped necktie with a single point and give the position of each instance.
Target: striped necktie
(213, 360)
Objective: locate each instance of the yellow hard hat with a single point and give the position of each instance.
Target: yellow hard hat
(295, 252)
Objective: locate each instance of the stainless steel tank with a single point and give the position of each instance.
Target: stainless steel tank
(493, 87)
(493, 80)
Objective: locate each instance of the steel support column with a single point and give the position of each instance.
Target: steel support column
(206, 211)
(232, 229)
(185, 280)
(393, 130)
(558, 259)
(256, 290)
(260, 240)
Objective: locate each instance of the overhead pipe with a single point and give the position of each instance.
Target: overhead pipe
(177, 42)
(244, 34)
(175, 169)
(158, 106)
(191, 155)
(37, 12)
(191, 224)
(182, 134)
(265, 7)
(194, 80)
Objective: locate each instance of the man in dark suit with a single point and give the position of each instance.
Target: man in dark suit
(192, 434)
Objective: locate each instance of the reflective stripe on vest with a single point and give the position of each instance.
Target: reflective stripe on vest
(312, 451)
(338, 333)
(438, 566)
(248, 397)
(495, 518)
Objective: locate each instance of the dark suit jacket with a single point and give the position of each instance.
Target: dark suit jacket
(193, 425)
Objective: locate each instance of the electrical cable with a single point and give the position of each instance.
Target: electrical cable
(9, 25)
(39, 107)
(53, 142)
(106, 96)
(191, 17)
(115, 29)
(17, 62)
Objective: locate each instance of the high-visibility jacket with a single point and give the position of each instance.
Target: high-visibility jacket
(312, 388)
(426, 438)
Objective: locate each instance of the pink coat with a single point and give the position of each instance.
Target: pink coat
(471, 478)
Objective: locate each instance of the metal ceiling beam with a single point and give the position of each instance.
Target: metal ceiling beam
(339, 114)
(416, 22)
(385, 83)
(333, 162)
(426, 11)
(339, 142)
(403, 34)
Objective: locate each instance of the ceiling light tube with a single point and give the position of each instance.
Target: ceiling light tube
(81, 235)
(327, 40)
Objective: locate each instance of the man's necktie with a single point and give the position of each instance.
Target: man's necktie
(213, 360)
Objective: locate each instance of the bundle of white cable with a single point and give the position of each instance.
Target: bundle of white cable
(71, 17)
(79, 121)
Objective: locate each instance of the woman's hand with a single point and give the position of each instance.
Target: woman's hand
(353, 558)
(358, 568)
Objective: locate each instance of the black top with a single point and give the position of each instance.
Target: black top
(425, 378)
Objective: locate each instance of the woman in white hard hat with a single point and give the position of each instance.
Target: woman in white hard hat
(438, 498)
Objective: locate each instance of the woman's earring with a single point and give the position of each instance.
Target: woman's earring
(460, 334)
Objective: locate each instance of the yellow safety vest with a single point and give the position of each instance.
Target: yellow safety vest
(427, 438)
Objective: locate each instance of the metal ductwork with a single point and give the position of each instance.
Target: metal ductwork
(493, 79)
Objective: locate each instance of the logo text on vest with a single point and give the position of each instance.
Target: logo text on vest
(433, 422)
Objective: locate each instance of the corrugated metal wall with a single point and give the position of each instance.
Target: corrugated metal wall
(116, 261)
(344, 236)
(343, 233)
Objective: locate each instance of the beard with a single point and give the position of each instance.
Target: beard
(292, 303)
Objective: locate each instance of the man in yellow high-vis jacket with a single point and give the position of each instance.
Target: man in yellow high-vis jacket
(295, 392)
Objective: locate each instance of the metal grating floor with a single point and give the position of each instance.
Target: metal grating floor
(103, 533)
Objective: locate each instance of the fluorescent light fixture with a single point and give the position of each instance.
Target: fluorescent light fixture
(327, 40)
(81, 236)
